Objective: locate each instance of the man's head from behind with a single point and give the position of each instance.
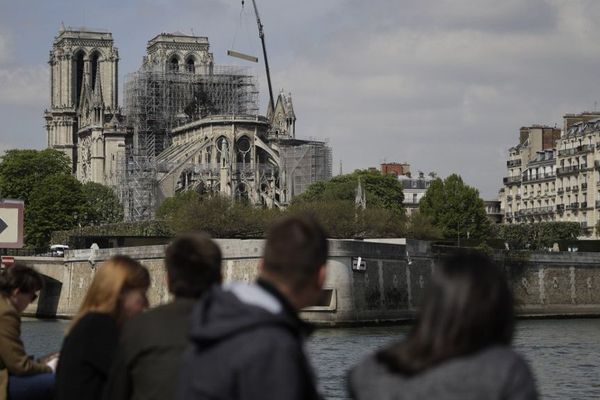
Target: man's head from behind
(193, 264)
(295, 257)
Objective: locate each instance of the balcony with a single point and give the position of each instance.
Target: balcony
(567, 170)
(583, 205)
(584, 186)
(575, 189)
(560, 207)
(539, 177)
(586, 148)
(560, 191)
(542, 210)
(518, 197)
(513, 163)
(568, 188)
(511, 180)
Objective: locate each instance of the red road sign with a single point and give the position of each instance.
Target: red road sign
(7, 261)
(11, 224)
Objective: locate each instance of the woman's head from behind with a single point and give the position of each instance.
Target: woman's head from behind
(20, 284)
(118, 289)
(468, 307)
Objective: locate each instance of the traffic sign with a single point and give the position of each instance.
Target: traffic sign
(11, 224)
(7, 261)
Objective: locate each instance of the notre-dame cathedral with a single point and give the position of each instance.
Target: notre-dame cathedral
(187, 124)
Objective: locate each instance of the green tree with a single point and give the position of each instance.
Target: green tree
(456, 209)
(420, 226)
(218, 216)
(22, 170)
(382, 190)
(56, 203)
(538, 235)
(102, 205)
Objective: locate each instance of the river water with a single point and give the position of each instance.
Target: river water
(564, 354)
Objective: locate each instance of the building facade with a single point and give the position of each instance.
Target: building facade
(188, 125)
(84, 120)
(554, 175)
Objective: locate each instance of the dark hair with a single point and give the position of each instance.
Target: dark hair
(468, 307)
(22, 277)
(295, 249)
(193, 264)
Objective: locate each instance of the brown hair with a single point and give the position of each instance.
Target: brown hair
(193, 264)
(296, 248)
(116, 275)
(22, 277)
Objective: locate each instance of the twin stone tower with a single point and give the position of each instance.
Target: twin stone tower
(187, 124)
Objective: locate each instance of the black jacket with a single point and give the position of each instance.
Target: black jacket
(247, 343)
(146, 366)
(85, 358)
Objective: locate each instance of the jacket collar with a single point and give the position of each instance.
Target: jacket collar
(304, 328)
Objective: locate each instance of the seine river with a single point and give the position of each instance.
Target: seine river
(564, 354)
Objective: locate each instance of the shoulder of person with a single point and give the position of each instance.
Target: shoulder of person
(368, 378)
(501, 356)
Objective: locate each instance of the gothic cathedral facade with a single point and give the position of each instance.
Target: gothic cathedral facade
(84, 120)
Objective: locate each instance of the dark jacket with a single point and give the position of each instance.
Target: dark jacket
(13, 359)
(247, 343)
(146, 366)
(496, 373)
(85, 358)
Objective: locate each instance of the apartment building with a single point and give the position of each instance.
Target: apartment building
(554, 175)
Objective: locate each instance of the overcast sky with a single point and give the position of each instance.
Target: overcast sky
(441, 84)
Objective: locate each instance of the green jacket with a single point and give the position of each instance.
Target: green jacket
(13, 359)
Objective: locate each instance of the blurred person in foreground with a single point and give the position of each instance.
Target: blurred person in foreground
(117, 293)
(460, 346)
(21, 378)
(148, 358)
(247, 340)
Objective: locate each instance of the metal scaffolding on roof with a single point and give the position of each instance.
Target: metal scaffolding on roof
(159, 100)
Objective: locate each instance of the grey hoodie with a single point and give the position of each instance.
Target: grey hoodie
(496, 373)
(247, 343)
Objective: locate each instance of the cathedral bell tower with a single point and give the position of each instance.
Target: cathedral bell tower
(84, 120)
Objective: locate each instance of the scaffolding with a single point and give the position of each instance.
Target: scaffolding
(304, 162)
(157, 101)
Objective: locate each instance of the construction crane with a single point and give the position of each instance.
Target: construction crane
(261, 35)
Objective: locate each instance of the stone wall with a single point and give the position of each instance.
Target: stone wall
(391, 288)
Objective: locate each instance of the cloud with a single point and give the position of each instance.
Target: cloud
(24, 86)
(445, 86)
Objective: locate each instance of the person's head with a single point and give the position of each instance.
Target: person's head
(294, 259)
(193, 265)
(118, 289)
(20, 285)
(469, 306)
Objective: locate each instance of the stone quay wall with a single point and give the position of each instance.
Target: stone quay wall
(390, 288)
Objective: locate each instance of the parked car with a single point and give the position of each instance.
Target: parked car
(58, 250)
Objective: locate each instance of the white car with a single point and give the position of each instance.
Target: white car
(58, 250)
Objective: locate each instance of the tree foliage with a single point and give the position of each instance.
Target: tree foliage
(456, 209)
(538, 235)
(382, 190)
(419, 226)
(22, 170)
(55, 203)
(218, 216)
(102, 205)
(54, 199)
